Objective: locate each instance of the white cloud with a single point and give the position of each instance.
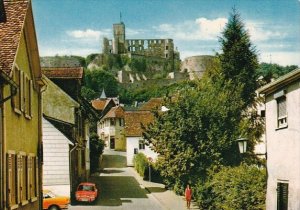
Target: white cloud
(211, 29)
(45, 51)
(199, 29)
(88, 34)
(281, 58)
(259, 31)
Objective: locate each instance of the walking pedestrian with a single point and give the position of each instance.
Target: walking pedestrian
(188, 196)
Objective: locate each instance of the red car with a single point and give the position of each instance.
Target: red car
(86, 192)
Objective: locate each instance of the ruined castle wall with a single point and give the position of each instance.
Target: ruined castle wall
(195, 66)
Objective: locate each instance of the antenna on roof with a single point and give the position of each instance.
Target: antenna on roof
(120, 17)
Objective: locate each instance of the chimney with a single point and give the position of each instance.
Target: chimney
(2, 12)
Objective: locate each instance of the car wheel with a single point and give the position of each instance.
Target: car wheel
(53, 208)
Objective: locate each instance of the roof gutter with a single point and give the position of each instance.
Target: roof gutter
(12, 84)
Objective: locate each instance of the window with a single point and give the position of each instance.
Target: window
(27, 96)
(112, 121)
(141, 144)
(282, 196)
(16, 102)
(121, 121)
(281, 112)
(167, 47)
(32, 177)
(12, 201)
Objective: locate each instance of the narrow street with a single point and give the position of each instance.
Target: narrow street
(118, 187)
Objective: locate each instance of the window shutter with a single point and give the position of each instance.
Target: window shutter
(22, 94)
(19, 176)
(281, 107)
(29, 166)
(30, 97)
(282, 196)
(36, 176)
(9, 179)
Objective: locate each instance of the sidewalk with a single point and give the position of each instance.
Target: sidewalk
(167, 198)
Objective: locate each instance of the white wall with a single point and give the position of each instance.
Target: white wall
(133, 142)
(56, 156)
(283, 149)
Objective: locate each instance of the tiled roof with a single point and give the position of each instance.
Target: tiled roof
(64, 72)
(100, 104)
(115, 112)
(152, 104)
(133, 121)
(10, 32)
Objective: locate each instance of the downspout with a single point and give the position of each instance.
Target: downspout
(70, 171)
(42, 88)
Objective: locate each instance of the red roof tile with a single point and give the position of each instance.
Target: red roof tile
(10, 32)
(100, 104)
(64, 72)
(115, 112)
(152, 104)
(133, 121)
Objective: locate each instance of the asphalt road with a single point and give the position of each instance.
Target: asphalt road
(118, 187)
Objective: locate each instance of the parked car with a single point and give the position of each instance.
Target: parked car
(86, 192)
(54, 202)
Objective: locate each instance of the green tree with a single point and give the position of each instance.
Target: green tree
(238, 58)
(267, 71)
(198, 133)
(233, 188)
(96, 149)
(96, 80)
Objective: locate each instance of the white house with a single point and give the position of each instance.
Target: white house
(110, 128)
(56, 171)
(58, 137)
(282, 101)
(133, 131)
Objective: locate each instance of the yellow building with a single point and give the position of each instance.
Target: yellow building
(20, 108)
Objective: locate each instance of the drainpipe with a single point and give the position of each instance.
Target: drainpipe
(70, 171)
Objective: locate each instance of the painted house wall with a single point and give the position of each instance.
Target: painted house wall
(283, 147)
(108, 131)
(56, 156)
(62, 109)
(21, 134)
(132, 143)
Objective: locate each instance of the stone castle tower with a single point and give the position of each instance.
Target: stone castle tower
(156, 48)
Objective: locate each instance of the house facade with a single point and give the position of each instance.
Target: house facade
(133, 131)
(58, 138)
(69, 79)
(20, 109)
(111, 129)
(282, 104)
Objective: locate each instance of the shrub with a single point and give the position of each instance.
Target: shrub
(239, 188)
(96, 150)
(140, 164)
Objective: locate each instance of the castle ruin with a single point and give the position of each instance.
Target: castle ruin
(156, 48)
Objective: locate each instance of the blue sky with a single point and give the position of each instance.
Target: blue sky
(77, 27)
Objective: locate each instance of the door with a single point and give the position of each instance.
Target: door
(112, 143)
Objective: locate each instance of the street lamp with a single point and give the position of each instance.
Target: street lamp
(242, 142)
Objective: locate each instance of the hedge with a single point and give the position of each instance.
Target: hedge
(233, 188)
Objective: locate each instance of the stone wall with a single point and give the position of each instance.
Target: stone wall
(195, 66)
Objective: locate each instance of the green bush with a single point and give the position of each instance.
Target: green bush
(140, 164)
(237, 188)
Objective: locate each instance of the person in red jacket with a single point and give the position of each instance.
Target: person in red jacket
(188, 196)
